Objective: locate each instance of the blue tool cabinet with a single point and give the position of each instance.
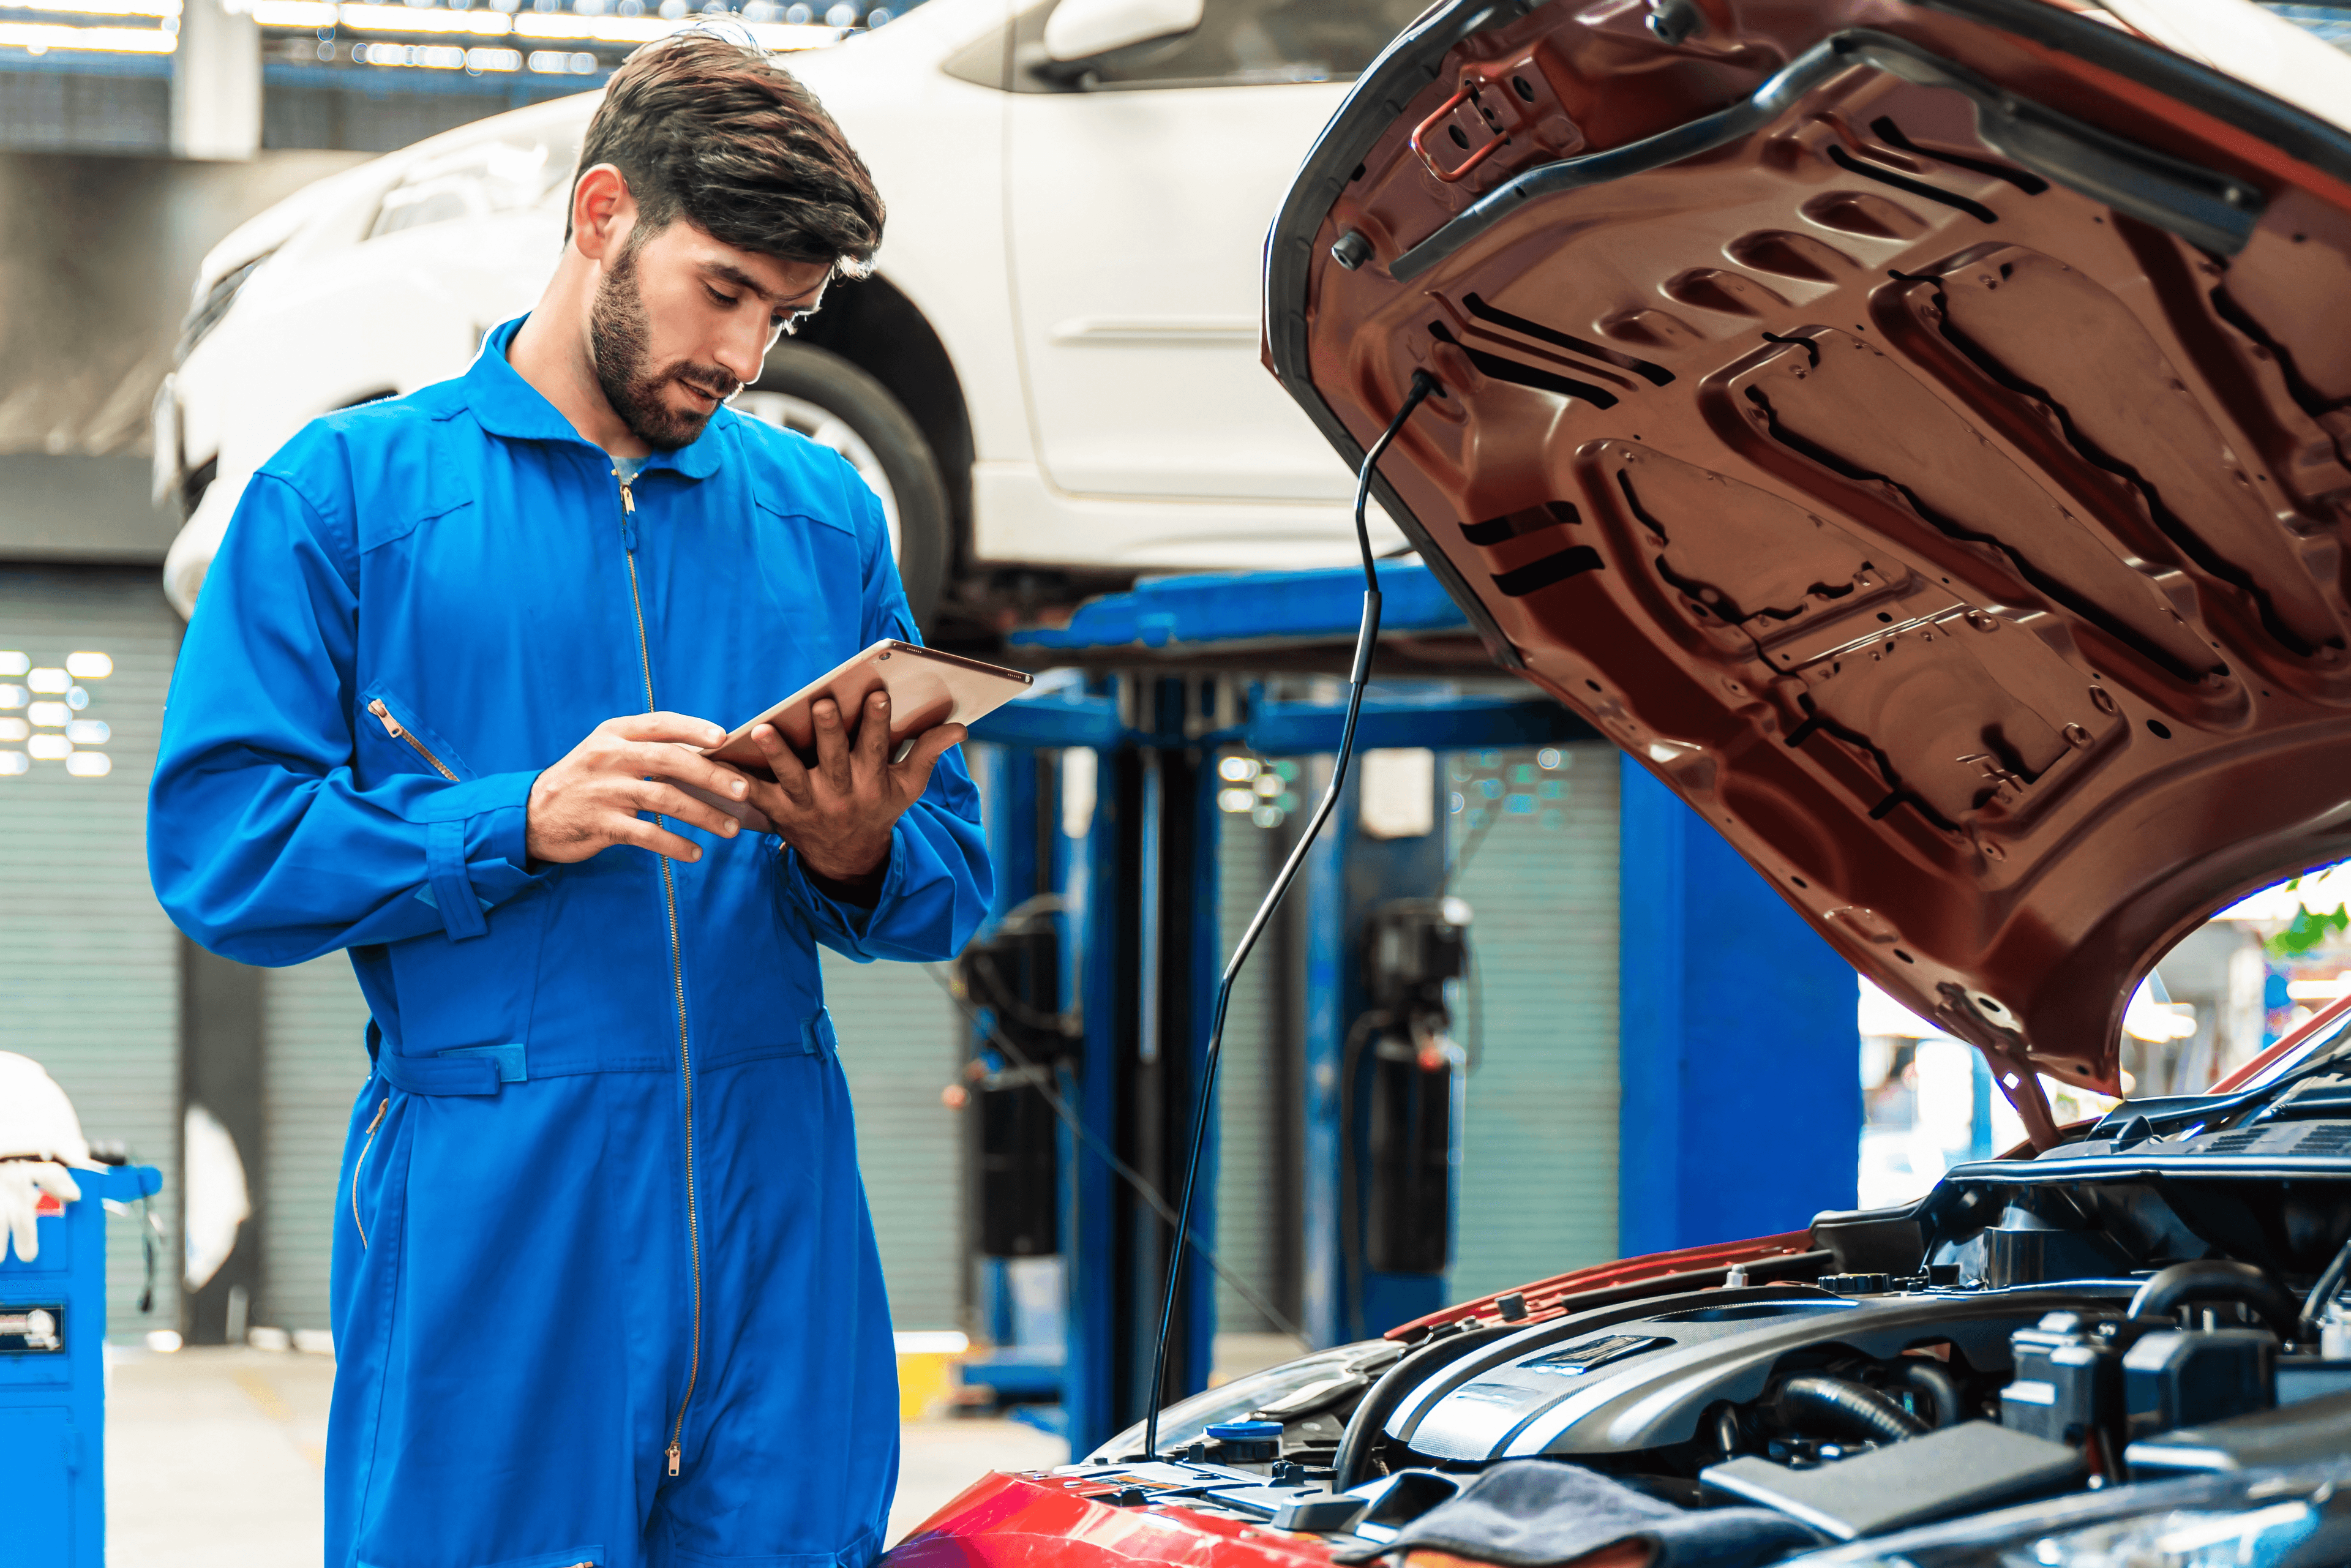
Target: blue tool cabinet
(53, 1382)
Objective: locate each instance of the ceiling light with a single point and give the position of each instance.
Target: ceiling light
(42, 37)
(90, 765)
(92, 666)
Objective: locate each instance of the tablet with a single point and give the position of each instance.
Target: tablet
(927, 688)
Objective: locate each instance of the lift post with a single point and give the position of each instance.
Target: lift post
(1736, 1020)
(1161, 687)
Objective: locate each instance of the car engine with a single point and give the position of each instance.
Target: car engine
(2155, 1299)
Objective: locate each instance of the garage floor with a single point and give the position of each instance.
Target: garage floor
(214, 1457)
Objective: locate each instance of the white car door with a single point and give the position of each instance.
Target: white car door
(1140, 188)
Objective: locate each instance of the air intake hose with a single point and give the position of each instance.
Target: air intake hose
(2217, 1280)
(1848, 1410)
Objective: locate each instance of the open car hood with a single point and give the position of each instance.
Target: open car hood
(1916, 432)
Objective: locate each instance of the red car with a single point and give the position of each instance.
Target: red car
(1921, 434)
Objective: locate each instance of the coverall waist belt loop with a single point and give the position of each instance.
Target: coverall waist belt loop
(466, 1069)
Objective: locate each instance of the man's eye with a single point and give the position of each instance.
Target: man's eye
(721, 298)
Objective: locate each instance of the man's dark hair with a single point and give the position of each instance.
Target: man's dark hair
(704, 128)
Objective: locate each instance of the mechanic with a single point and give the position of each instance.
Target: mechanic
(605, 1284)
(40, 1136)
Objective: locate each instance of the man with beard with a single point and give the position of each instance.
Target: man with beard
(605, 1288)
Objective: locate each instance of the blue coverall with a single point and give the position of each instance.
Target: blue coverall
(605, 1285)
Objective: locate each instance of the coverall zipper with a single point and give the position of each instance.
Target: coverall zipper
(677, 978)
(360, 1164)
(392, 726)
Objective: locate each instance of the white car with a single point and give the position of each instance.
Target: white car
(1052, 377)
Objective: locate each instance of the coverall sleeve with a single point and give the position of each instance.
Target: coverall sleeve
(939, 884)
(261, 844)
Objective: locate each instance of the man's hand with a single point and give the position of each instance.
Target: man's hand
(839, 814)
(590, 800)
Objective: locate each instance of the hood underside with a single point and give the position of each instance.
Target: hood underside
(1916, 432)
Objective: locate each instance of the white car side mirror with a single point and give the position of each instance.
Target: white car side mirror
(1080, 29)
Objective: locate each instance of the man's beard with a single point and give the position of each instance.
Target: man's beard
(618, 332)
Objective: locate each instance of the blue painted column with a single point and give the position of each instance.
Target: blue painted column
(1088, 864)
(1738, 1055)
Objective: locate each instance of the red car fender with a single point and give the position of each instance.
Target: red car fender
(1036, 1519)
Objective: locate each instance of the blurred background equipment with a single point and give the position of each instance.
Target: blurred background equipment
(53, 1322)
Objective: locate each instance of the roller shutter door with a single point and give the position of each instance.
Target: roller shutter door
(1250, 1224)
(314, 1061)
(901, 1045)
(1537, 1191)
(89, 977)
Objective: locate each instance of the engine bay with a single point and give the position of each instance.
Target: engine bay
(2155, 1300)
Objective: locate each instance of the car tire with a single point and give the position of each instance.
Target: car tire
(835, 403)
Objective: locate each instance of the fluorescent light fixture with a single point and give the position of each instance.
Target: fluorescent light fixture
(100, 7)
(91, 666)
(53, 716)
(13, 763)
(430, 57)
(305, 14)
(49, 748)
(493, 60)
(48, 679)
(932, 1342)
(14, 729)
(89, 764)
(13, 695)
(14, 664)
(367, 18)
(41, 38)
(81, 731)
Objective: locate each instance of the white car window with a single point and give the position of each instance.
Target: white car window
(478, 179)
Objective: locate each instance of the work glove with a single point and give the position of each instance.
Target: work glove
(39, 1137)
(22, 1183)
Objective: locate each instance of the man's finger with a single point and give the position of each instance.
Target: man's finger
(791, 777)
(661, 841)
(655, 795)
(681, 727)
(667, 759)
(873, 737)
(915, 773)
(831, 744)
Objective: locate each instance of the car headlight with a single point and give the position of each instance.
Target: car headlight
(2296, 1518)
(1187, 1420)
(212, 307)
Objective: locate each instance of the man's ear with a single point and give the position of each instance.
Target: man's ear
(602, 213)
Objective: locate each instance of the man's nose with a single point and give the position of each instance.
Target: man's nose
(743, 351)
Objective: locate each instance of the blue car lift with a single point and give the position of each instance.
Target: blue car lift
(1155, 681)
